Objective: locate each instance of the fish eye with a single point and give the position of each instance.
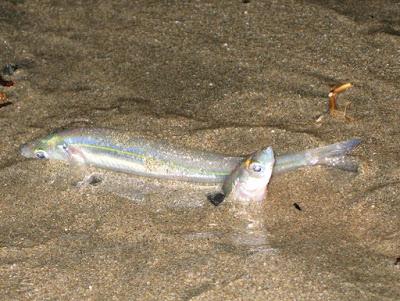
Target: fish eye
(256, 167)
(41, 154)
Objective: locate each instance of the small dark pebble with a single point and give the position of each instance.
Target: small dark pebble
(297, 206)
(397, 262)
(94, 180)
(4, 104)
(246, 1)
(9, 69)
(216, 198)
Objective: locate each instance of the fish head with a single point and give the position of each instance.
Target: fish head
(260, 164)
(249, 182)
(50, 147)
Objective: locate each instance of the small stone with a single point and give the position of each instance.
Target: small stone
(9, 69)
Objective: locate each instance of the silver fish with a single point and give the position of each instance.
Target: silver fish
(116, 150)
(248, 182)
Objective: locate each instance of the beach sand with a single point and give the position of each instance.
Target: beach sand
(224, 76)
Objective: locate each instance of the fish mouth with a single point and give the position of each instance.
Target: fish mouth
(266, 156)
(26, 150)
(268, 151)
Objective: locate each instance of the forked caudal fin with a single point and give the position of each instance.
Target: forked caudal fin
(334, 155)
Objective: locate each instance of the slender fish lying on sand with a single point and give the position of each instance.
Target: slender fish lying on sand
(116, 150)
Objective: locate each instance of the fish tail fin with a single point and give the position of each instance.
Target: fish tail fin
(334, 155)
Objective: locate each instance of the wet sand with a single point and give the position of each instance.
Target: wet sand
(224, 76)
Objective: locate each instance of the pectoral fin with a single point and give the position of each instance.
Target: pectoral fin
(75, 155)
